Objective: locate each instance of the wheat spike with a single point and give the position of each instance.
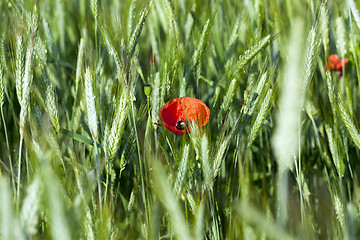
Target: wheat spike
(312, 49)
(333, 147)
(2, 86)
(181, 174)
(94, 8)
(90, 105)
(340, 36)
(51, 103)
(260, 118)
(30, 207)
(355, 12)
(339, 209)
(229, 96)
(118, 125)
(205, 162)
(49, 39)
(324, 27)
(3, 54)
(19, 68)
(136, 33)
(26, 87)
(79, 63)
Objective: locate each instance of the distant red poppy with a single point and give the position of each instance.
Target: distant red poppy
(336, 63)
(177, 114)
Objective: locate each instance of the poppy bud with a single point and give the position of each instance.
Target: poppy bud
(218, 89)
(147, 90)
(178, 113)
(246, 93)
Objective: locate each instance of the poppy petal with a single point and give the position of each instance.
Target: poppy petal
(178, 111)
(335, 63)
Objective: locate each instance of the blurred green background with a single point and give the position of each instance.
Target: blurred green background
(81, 157)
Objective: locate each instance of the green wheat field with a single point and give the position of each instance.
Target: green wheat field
(82, 158)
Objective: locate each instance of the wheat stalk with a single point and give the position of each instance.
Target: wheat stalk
(58, 223)
(285, 139)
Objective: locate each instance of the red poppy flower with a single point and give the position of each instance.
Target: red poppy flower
(177, 114)
(336, 63)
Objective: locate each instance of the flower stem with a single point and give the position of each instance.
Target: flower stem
(19, 172)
